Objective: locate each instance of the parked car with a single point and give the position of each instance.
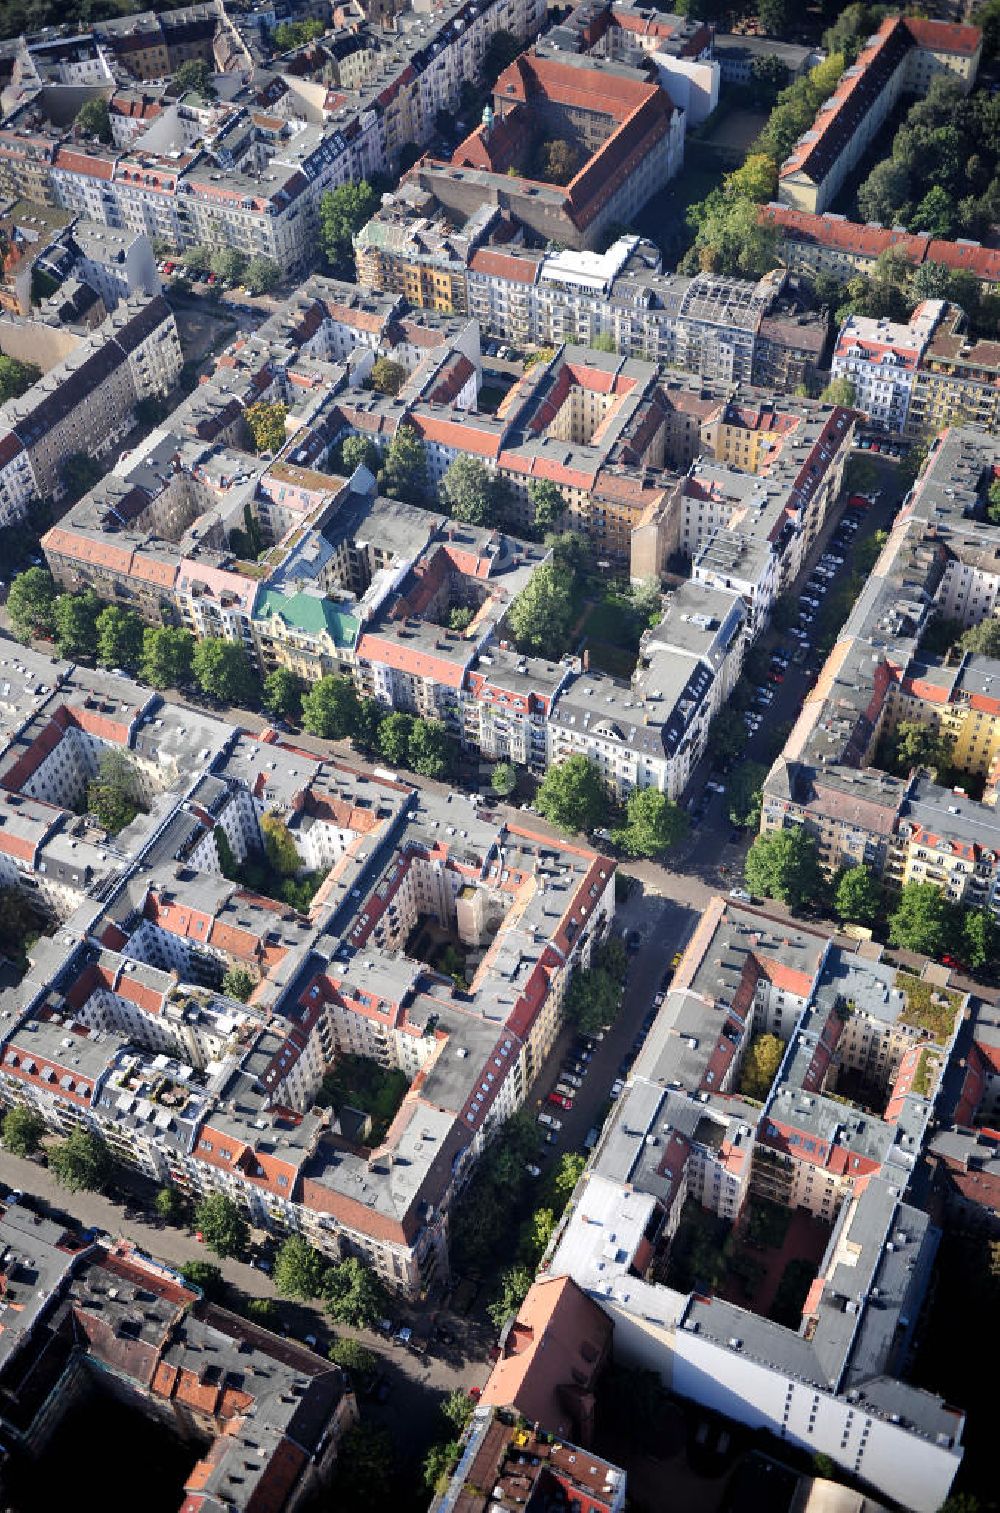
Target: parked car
(573, 1080)
(616, 1088)
(741, 894)
(559, 1100)
(533, 1171)
(550, 1121)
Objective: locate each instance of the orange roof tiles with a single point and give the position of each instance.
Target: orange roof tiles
(943, 36)
(559, 1340)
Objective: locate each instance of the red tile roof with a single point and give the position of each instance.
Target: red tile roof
(943, 37)
(506, 265)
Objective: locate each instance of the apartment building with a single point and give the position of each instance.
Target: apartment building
(353, 583)
(903, 57)
(121, 1025)
(728, 329)
(627, 136)
(915, 379)
(940, 560)
(831, 244)
(504, 1464)
(249, 169)
(114, 263)
(881, 358)
(681, 1133)
(958, 381)
(87, 402)
(109, 1319)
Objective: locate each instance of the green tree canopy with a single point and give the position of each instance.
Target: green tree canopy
(357, 452)
(115, 795)
(839, 391)
(342, 212)
(388, 377)
(354, 1295)
(75, 621)
(857, 896)
(430, 749)
(18, 922)
(558, 161)
(983, 638)
(167, 653)
(593, 998)
(547, 502)
(394, 735)
(229, 264)
(299, 1270)
(501, 49)
(543, 614)
(81, 1161)
(774, 16)
(731, 239)
(370, 716)
(288, 35)
(119, 637)
(16, 377)
(283, 691)
(404, 469)
(93, 119)
(261, 275)
(330, 708)
(572, 795)
(169, 1204)
(923, 920)
(980, 943)
(916, 745)
(884, 192)
(993, 503)
(237, 982)
(784, 864)
(222, 669)
(263, 1311)
(457, 1408)
(654, 824)
(727, 735)
(351, 1355)
(761, 1065)
(267, 425)
(206, 1276)
(223, 1226)
(194, 76)
(468, 491)
(511, 1293)
(23, 1129)
(503, 779)
(366, 1466)
(197, 260)
(439, 1463)
(282, 854)
(936, 213)
(744, 793)
(31, 603)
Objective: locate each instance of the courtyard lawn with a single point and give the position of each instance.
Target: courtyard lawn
(612, 629)
(355, 1082)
